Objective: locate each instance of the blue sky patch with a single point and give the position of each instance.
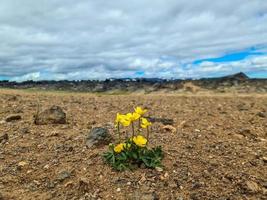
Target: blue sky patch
(231, 57)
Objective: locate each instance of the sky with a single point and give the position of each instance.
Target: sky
(99, 39)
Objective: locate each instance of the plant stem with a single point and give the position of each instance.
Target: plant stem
(118, 130)
(147, 136)
(133, 128)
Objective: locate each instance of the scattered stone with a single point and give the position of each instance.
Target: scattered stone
(243, 107)
(197, 185)
(50, 185)
(239, 136)
(247, 133)
(53, 115)
(262, 114)
(159, 169)
(251, 187)
(46, 167)
(13, 117)
(12, 98)
(150, 196)
(25, 130)
(69, 184)
(4, 138)
(164, 121)
(169, 128)
(118, 190)
(63, 175)
(84, 186)
(98, 136)
(22, 164)
(182, 124)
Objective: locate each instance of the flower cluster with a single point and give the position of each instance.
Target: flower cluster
(133, 151)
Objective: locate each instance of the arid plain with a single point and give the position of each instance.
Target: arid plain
(215, 147)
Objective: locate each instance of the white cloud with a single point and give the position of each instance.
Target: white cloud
(35, 76)
(90, 39)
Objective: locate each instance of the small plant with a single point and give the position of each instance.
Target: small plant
(133, 152)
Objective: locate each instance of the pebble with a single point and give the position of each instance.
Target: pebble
(118, 190)
(22, 164)
(13, 117)
(264, 159)
(252, 187)
(159, 169)
(63, 175)
(46, 167)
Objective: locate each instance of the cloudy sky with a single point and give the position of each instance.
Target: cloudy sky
(98, 39)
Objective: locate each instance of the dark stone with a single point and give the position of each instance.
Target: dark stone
(262, 114)
(4, 138)
(25, 130)
(98, 136)
(164, 121)
(13, 117)
(53, 115)
(1, 197)
(63, 175)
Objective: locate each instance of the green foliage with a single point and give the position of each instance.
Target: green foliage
(133, 156)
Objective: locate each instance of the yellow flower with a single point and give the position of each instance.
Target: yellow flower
(125, 122)
(132, 116)
(119, 117)
(119, 148)
(145, 123)
(140, 140)
(140, 111)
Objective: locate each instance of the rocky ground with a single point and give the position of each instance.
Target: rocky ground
(215, 147)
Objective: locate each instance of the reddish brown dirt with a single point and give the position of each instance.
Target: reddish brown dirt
(218, 151)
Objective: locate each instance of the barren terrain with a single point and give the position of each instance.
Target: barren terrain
(216, 147)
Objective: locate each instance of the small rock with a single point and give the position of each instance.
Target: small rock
(69, 184)
(25, 130)
(118, 190)
(84, 186)
(98, 136)
(13, 117)
(197, 185)
(262, 114)
(21, 165)
(239, 136)
(159, 169)
(150, 196)
(50, 185)
(243, 107)
(53, 115)
(46, 167)
(4, 138)
(169, 128)
(164, 121)
(251, 187)
(63, 175)
(247, 133)
(1, 197)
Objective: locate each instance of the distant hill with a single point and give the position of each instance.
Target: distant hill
(239, 82)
